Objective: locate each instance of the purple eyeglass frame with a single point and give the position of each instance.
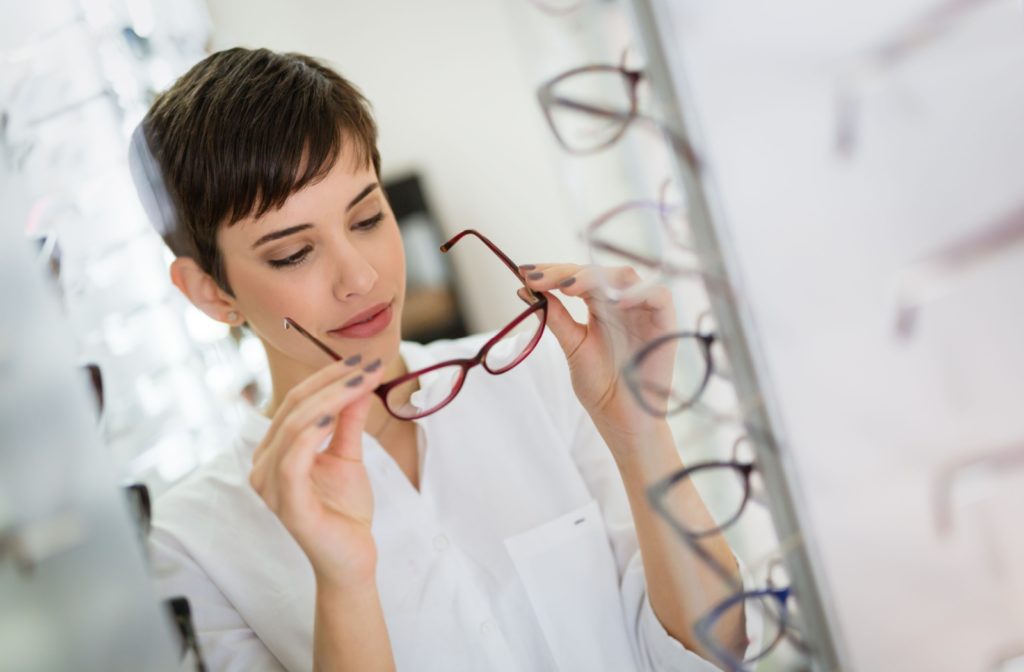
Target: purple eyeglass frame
(382, 390)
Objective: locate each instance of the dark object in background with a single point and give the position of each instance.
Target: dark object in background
(140, 507)
(96, 380)
(431, 309)
(181, 614)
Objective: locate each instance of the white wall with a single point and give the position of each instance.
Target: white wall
(453, 102)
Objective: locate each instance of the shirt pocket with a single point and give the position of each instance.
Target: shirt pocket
(570, 577)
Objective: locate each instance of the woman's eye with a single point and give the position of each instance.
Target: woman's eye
(370, 223)
(291, 260)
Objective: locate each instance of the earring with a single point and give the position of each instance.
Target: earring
(232, 316)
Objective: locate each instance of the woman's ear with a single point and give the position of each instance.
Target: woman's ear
(204, 293)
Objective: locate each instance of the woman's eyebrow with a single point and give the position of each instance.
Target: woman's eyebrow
(362, 194)
(277, 235)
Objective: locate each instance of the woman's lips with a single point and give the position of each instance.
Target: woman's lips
(370, 327)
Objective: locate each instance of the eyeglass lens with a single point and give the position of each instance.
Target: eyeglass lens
(605, 98)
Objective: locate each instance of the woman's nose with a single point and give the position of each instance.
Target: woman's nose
(354, 275)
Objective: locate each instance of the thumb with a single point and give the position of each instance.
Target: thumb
(347, 441)
(567, 330)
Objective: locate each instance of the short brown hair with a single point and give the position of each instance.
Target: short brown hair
(242, 131)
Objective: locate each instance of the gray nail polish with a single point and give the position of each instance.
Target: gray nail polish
(324, 421)
(353, 360)
(536, 275)
(372, 366)
(567, 282)
(528, 267)
(355, 381)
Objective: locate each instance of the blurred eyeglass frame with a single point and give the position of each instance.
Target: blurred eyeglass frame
(631, 369)
(658, 494)
(591, 236)
(551, 101)
(911, 39)
(988, 464)
(931, 277)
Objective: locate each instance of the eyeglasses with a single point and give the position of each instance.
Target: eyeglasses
(648, 236)
(889, 54)
(931, 277)
(726, 484)
(687, 358)
(773, 606)
(589, 109)
(971, 469)
(420, 393)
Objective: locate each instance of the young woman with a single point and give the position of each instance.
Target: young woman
(507, 531)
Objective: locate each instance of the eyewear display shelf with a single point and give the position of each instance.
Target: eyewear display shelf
(762, 428)
(859, 192)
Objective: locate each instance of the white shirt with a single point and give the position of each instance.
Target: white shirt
(518, 553)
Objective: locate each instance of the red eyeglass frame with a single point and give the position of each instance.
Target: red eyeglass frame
(465, 364)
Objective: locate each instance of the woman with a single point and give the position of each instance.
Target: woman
(508, 531)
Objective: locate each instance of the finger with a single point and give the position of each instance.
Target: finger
(325, 376)
(568, 332)
(586, 282)
(653, 298)
(269, 482)
(347, 442)
(289, 463)
(325, 402)
(545, 277)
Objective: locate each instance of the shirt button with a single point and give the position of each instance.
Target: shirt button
(440, 542)
(487, 627)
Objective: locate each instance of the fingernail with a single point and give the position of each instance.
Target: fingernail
(353, 360)
(324, 421)
(536, 275)
(372, 366)
(355, 381)
(528, 267)
(567, 282)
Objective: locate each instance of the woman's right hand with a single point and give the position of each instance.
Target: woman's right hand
(324, 498)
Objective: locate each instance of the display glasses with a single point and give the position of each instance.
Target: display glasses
(648, 236)
(770, 606)
(974, 474)
(918, 34)
(420, 393)
(771, 611)
(688, 355)
(590, 108)
(726, 486)
(932, 277)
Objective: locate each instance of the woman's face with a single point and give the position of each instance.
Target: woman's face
(331, 253)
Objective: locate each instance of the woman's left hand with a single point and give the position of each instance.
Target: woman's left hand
(614, 331)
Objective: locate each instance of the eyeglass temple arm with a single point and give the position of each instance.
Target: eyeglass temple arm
(551, 100)
(926, 279)
(1000, 460)
(289, 323)
(494, 248)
